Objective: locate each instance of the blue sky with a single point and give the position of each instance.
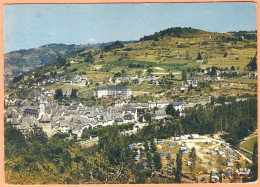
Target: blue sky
(32, 25)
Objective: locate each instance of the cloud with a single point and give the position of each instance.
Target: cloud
(92, 40)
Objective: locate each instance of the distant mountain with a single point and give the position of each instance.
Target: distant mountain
(18, 62)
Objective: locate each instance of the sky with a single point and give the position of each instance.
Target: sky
(33, 25)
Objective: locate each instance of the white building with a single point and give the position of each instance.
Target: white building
(179, 106)
(191, 82)
(112, 91)
(162, 104)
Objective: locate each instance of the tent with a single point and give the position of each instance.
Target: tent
(162, 154)
(169, 153)
(168, 168)
(159, 147)
(137, 158)
(228, 175)
(159, 142)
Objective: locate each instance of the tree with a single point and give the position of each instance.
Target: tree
(153, 147)
(225, 54)
(149, 70)
(14, 140)
(118, 74)
(192, 157)
(90, 58)
(148, 117)
(123, 72)
(58, 94)
(157, 161)
(37, 135)
(252, 65)
(139, 73)
(199, 57)
(60, 61)
(74, 93)
(254, 167)
(149, 158)
(213, 71)
(179, 168)
(171, 111)
(146, 146)
(183, 74)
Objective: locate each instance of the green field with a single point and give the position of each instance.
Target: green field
(249, 144)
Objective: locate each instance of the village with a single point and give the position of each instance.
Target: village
(213, 153)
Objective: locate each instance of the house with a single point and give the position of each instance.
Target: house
(119, 121)
(151, 104)
(179, 106)
(25, 102)
(215, 77)
(162, 104)
(136, 82)
(133, 77)
(112, 91)
(118, 103)
(154, 82)
(83, 77)
(191, 82)
(150, 77)
(159, 114)
(128, 109)
(129, 118)
(206, 78)
(108, 79)
(240, 99)
(76, 79)
(67, 93)
(181, 87)
(115, 80)
(252, 74)
(31, 112)
(77, 131)
(28, 123)
(124, 79)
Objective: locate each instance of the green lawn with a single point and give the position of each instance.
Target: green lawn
(249, 145)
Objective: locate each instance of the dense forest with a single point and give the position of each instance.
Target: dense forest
(173, 31)
(35, 159)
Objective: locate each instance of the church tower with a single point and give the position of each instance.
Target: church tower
(41, 109)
